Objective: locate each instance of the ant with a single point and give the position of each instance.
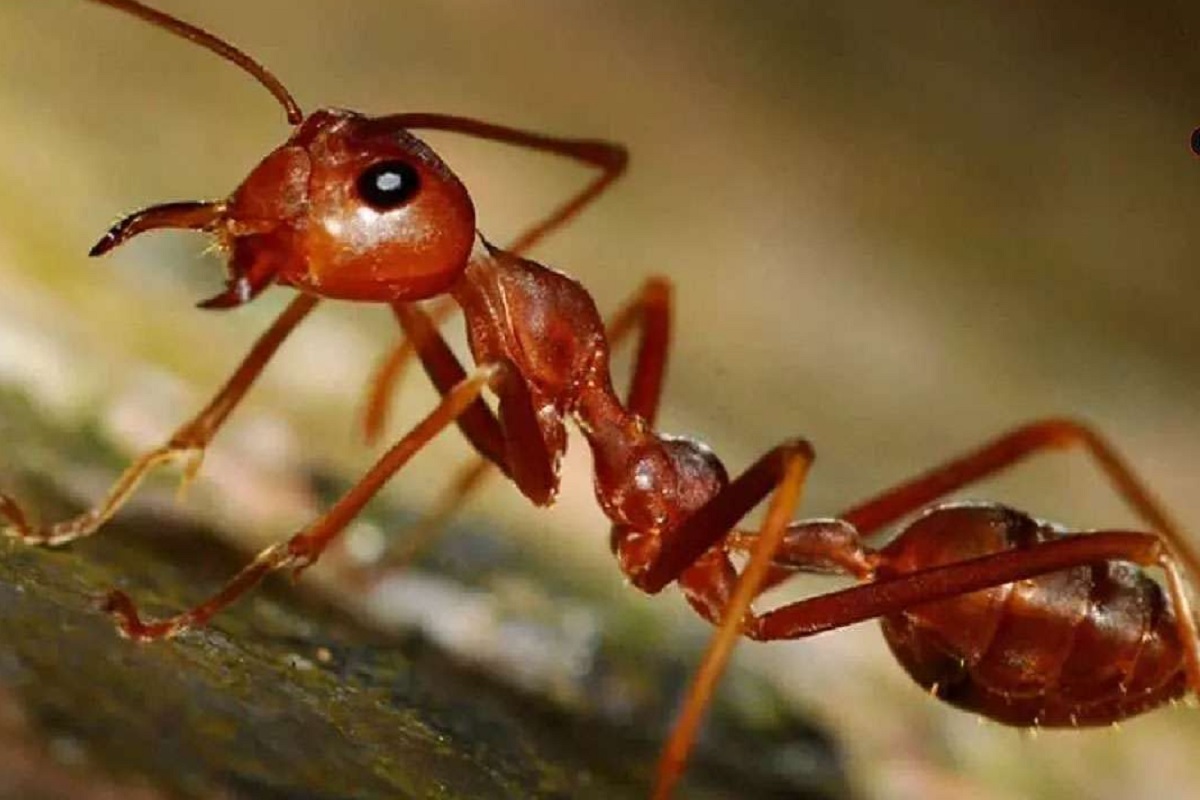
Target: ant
(989, 609)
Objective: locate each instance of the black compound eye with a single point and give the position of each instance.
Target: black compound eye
(1196, 141)
(388, 184)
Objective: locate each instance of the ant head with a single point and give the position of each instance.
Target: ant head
(350, 208)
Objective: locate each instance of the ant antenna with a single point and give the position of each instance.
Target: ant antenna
(225, 50)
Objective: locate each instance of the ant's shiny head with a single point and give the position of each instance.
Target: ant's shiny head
(349, 207)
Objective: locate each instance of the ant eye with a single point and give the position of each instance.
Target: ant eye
(1196, 141)
(388, 184)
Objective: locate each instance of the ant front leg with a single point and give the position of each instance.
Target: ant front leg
(381, 388)
(303, 549)
(187, 443)
(611, 159)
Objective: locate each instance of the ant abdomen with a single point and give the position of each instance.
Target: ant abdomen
(1088, 645)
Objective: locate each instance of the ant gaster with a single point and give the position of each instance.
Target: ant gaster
(986, 607)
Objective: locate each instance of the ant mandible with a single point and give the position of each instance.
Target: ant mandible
(989, 609)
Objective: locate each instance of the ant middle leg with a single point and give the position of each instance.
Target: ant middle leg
(383, 383)
(186, 444)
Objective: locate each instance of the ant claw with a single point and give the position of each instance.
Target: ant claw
(116, 603)
(124, 612)
(15, 524)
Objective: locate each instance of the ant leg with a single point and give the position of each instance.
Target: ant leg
(303, 549)
(884, 597)
(834, 546)
(1185, 619)
(478, 423)
(381, 388)
(821, 546)
(813, 546)
(648, 314)
(611, 159)
(1008, 449)
(187, 443)
(782, 473)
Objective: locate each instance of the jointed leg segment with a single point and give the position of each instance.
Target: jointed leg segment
(305, 548)
(1005, 451)
(387, 376)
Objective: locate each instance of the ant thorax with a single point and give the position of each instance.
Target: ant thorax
(544, 327)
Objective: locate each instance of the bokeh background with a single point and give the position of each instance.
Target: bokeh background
(895, 229)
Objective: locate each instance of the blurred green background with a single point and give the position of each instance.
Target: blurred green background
(896, 229)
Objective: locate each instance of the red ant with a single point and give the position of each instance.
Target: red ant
(986, 607)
